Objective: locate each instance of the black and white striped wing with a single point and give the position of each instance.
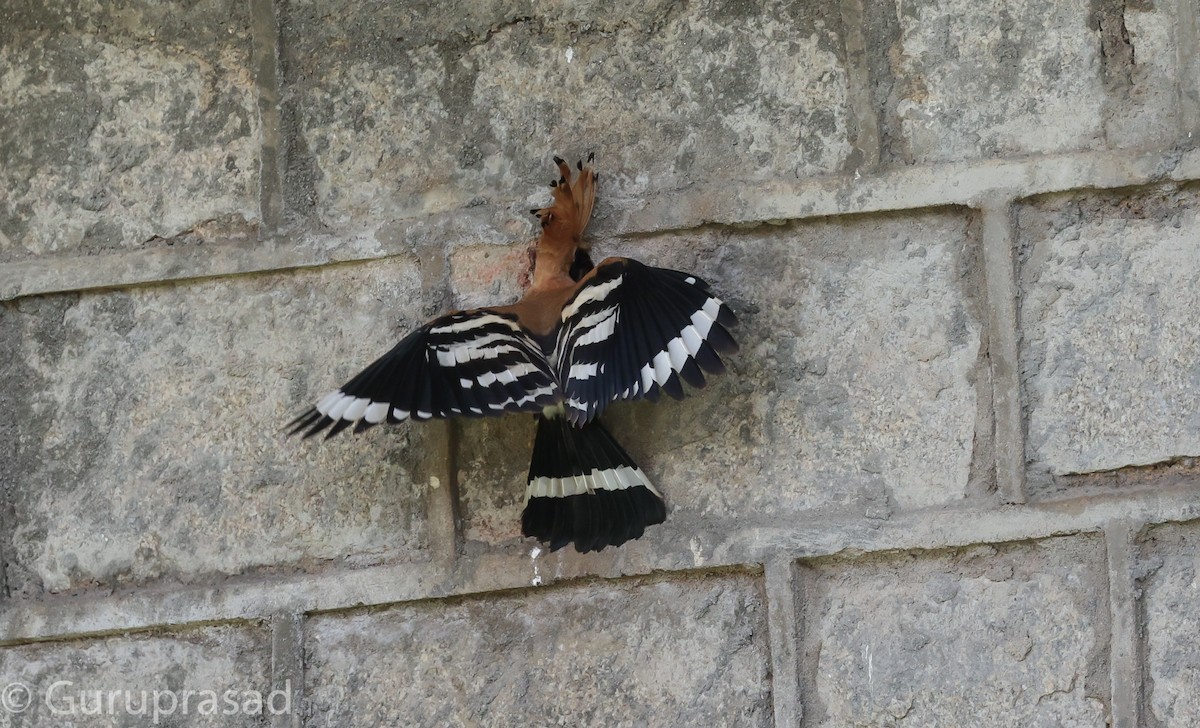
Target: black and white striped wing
(632, 331)
(469, 363)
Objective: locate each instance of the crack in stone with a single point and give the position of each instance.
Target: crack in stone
(1117, 54)
(228, 227)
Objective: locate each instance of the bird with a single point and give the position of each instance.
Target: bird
(581, 337)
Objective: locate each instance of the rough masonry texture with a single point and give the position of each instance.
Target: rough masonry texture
(631, 653)
(882, 632)
(951, 478)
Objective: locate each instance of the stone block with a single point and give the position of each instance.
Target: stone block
(1008, 635)
(493, 462)
(1167, 572)
(125, 124)
(854, 391)
(1110, 359)
(652, 653)
(145, 429)
(1142, 59)
(398, 112)
(961, 80)
(144, 679)
(490, 275)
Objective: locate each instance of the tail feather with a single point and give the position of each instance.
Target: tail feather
(585, 489)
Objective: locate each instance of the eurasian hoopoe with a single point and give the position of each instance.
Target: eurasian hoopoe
(578, 339)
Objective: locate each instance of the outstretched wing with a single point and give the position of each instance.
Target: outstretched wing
(632, 331)
(470, 363)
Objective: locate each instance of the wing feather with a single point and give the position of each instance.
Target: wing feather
(666, 328)
(469, 363)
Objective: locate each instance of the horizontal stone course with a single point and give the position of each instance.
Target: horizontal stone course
(654, 653)
(123, 127)
(398, 112)
(1005, 635)
(144, 679)
(147, 437)
(1109, 353)
(955, 81)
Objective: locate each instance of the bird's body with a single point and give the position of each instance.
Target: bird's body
(579, 338)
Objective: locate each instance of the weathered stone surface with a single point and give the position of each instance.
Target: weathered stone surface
(1010, 635)
(1141, 59)
(1110, 353)
(493, 466)
(853, 392)
(145, 428)
(970, 80)
(146, 484)
(125, 122)
(408, 108)
(1168, 581)
(63, 679)
(490, 275)
(656, 653)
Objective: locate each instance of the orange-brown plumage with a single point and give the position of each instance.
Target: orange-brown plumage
(563, 223)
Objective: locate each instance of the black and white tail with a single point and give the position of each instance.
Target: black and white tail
(585, 489)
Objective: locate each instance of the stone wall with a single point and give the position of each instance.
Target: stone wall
(950, 479)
